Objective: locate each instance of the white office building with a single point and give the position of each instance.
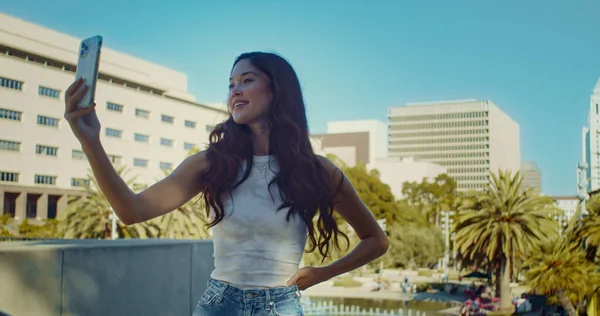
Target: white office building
(468, 137)
(365, 141)
(568, 206)
(591, 140)
(395, 171)
(149, 120)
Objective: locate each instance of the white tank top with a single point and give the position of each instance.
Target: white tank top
(254, 245)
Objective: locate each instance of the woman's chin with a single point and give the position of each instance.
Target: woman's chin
(241, 120)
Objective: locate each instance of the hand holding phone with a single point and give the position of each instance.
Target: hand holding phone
(79, 97)
(87, 68)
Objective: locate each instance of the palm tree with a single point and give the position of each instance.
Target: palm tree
(561, 270)
(505, 224)
(90, 216)
(187, 221)
(587, 231)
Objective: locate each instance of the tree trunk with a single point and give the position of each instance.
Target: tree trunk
(566, 303)
(498, 280)
(506, 304)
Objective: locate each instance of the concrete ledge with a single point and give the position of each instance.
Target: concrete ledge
(103, 277)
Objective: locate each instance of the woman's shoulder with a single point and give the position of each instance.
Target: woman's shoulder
(197, 163)
(328, 165)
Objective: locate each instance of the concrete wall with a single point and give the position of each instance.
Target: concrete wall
(98, 277)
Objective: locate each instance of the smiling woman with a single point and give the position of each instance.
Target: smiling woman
(267, 192)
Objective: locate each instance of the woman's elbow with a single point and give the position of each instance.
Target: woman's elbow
(383, 244)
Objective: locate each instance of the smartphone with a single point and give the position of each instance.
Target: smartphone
(87, 68)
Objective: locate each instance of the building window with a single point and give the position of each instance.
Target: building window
(48, 92)
(114, 107)
(209, 128)
(141, 138)
(165, 165)
(42, 179)
(80, 182)
(188, 146)
(190, 124)
(8, 145)
(142, 113)
(116, 160)
(11, 115)
(138, 162)
(47, 121)
(78, 155)
(167, 119)
(166, 142)
(110, 132)
(6, 176)
(11, 83)
(46, 150)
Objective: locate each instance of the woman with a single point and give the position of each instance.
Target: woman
(264, 186)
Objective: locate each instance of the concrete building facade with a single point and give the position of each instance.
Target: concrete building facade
(378, 136)
(532, 176)
(568, 206)
(591, 140)
(365, 141)
(468, 137)
(149, 120)
(395, 171)
(360, 141)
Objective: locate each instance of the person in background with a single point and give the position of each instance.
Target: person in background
(267, 193)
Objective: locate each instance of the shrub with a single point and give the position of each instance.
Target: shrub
(422, 287)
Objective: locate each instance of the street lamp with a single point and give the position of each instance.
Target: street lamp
(382, 225)
(447, 221)
(113, 231)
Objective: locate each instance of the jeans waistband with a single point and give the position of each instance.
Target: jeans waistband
(253, 295)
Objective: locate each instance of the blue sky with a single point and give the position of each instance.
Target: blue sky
(537, 60)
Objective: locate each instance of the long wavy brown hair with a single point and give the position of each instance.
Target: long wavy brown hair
(304, 184)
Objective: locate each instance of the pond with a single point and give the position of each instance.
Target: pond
(429, 307)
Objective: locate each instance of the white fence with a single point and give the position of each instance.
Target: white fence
(329, 309)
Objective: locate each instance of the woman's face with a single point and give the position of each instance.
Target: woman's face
(250, 95)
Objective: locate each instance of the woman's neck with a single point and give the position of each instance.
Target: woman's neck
(260, 140)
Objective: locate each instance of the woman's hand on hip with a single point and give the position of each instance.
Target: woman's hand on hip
(308, 276)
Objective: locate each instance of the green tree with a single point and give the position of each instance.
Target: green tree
(432, 197)
(508, 224)
(27, 229)
(412, 246)
(7, 226)
(376, 195)
(186, 222)
(562, 272)
(90, 216)
(47, 229)
(412, 239)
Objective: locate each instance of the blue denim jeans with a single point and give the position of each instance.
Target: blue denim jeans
(222, 299)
